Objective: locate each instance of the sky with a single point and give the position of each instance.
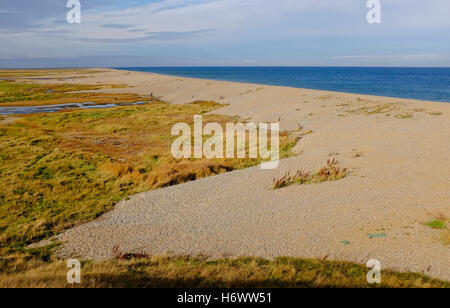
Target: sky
(126, 33)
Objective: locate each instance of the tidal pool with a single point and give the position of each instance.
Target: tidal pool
(60, 107)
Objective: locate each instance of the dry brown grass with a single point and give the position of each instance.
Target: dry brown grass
(192, 272)
(331, 172)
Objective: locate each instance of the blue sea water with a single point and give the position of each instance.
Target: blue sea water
(416, 83)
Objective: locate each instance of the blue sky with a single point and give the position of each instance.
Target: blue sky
(224, 33)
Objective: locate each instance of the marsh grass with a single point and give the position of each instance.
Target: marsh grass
(59, 170)
(331, 172)
(18, 73)
(194, 272)
(32, 94)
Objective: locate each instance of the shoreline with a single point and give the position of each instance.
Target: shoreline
(316, 91)
(94, 76)
(285, 86)
(256, 101)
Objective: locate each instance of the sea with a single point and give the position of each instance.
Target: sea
(422, 83)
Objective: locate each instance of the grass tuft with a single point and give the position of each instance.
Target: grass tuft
(440, 222)
(436, 224)
(118, 255)
(331, 172)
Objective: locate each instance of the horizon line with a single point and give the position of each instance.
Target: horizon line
(222, 66)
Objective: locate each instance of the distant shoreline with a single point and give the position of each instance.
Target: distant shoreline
(416, 83)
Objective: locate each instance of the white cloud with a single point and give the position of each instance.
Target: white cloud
(261, 22)
(287, 17)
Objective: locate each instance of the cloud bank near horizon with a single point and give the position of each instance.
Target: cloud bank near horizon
(224, 32)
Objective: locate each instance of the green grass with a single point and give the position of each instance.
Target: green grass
(436, 224)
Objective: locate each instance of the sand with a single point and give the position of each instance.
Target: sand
(399, 179)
